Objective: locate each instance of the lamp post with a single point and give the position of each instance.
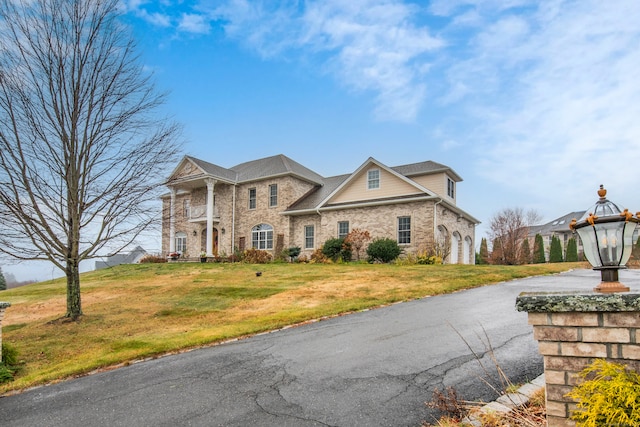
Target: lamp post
(607, 240)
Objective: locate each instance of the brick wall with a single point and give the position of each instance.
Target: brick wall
(574, 330)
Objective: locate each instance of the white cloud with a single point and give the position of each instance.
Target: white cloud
(561, 112)
(369, 45)
(194, 23)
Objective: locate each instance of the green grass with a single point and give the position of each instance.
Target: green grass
(138, 311)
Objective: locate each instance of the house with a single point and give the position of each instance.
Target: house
(275, 203)
(558, 227)
(132, 257)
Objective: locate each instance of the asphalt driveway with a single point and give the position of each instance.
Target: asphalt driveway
(373, 368)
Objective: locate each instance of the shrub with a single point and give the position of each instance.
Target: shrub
(152, 259)
(337, 249)
(357, 239)
(6, 374)
(318, 257)
(611, 397)
(538, 250)
(383, 250)
(293, 252)
(8, 363)
(525, 252)
(555, 250)
(256, 256)
(483, 256)
(572, 250)
(9, 354)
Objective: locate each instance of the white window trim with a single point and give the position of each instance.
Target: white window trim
(307, 237)
(371, 180)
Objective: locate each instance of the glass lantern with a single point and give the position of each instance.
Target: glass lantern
(607, 240)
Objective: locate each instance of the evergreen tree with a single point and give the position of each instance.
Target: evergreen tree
(555, 250)
(483, 256)
(525, 252)
(3, 282)
(572, 250)
(497, 256)
(538, 250)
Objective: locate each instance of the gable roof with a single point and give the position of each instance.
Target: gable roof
(268, 167)
(367, 163)
(425, 168)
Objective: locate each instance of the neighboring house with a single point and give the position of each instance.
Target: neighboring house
(132, 257)
(276, 203)
(559, 227)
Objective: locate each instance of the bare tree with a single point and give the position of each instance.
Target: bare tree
(508, 229)
(357, 238)
(82, 150)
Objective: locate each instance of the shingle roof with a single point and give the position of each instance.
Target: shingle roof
(312, 199)
(258, 169)
(280, 165)
(555, 226)
(214, 170)
(274, 166)
(422, 168)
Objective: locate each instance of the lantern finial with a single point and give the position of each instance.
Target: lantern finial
(602, 192)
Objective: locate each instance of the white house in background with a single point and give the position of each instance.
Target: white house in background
(132, 257)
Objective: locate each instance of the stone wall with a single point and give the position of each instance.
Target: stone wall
(575, 329)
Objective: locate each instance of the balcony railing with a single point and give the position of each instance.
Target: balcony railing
(199, 213)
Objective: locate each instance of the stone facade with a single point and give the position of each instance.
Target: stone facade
(234, 216)
(575, 329)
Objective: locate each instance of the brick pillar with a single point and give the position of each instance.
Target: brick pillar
(575, 329)
(3, 306)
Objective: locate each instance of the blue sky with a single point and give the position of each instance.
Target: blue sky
(534, 103)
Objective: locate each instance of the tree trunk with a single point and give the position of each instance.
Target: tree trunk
(74, 306)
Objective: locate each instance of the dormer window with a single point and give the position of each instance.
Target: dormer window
(451, 188)
(373, 179)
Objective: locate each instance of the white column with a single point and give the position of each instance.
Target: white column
(172, 221)
(210, 187)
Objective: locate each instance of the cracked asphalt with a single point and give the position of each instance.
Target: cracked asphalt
(372, 368)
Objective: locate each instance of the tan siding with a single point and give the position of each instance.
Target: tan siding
(436, 183)
(390, 185)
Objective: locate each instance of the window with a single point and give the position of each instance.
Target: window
(262, 237)
(273, 195)
(252, 198)
(404, 230)
(451, 188)
(181, 242)
(309, 237)
(373, 179)
(343, 229)
(186, 208)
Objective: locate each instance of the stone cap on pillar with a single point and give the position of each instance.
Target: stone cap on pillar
(558, 302)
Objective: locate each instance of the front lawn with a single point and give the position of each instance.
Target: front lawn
(137, 311)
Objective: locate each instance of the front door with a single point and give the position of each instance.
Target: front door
(203, 243)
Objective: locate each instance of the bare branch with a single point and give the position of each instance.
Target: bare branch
(82, 152)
